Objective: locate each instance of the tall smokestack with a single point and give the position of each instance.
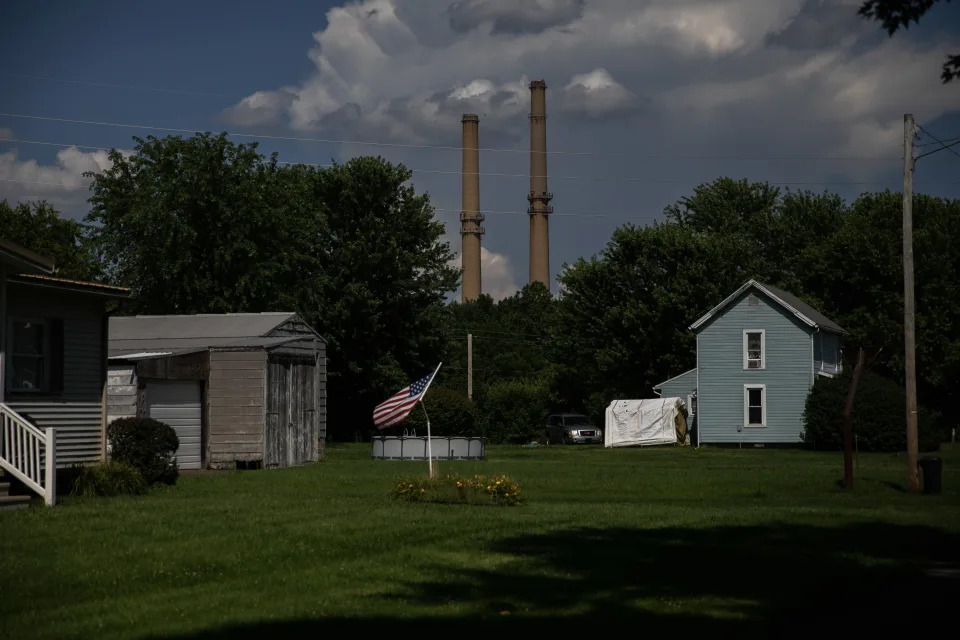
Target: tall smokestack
(470, 216)
(539, 197)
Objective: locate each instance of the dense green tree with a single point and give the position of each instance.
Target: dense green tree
(205, 225)
(39, 227)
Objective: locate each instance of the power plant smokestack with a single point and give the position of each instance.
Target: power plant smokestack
(470, 216)
(539, 197)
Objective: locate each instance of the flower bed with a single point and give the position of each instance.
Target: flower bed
(451, 488)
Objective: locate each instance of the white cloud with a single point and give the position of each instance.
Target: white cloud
(511, 16)
(497, 279)
(62, 183)
(596, 94)
(496, 275)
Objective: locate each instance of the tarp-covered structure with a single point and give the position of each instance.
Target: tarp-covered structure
(645, 422)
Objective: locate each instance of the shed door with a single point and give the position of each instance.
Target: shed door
(291, 428)
(178, 404)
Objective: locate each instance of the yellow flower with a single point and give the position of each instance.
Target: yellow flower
(422, 490)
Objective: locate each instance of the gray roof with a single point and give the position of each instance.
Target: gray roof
(822, 321)
(183, 334)
(807, 314)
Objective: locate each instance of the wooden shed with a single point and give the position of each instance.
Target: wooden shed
(242, 390)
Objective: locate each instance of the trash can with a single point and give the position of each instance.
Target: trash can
(932, 468)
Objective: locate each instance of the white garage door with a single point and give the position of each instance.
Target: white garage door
(177, 403)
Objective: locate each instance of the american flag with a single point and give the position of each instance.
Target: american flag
(397, 407)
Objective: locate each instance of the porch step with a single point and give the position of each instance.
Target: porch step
(14, 502)
(4, 487)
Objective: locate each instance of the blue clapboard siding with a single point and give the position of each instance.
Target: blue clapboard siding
(681, 386)
(788, 373)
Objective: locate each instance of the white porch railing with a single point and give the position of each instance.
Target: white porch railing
(28, 453)
(828, 368)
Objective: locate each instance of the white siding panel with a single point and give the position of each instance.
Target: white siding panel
(177, 403)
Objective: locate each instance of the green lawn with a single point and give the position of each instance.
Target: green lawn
(727, 542)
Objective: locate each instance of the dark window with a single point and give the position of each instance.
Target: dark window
(35, 357)
(755, 407)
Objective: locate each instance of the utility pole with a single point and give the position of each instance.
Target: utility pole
(848, 423)
(470, 366)
(909, 327)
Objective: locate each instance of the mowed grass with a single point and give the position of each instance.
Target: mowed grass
(728, 542)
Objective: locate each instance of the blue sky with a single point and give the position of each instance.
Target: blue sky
(649, 98)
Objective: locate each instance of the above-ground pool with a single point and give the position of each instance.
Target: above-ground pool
(415, 448)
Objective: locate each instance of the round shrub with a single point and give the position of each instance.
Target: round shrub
(147, 445)
(516, 410)
(879, 411)
(108, 479)
(451, 414)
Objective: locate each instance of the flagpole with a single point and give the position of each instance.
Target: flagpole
(422, 406)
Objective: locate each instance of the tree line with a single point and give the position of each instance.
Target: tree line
(205, 225)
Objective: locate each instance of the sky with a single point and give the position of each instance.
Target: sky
(646, 99)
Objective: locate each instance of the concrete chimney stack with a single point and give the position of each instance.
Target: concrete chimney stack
(539, 197)
(470, 216)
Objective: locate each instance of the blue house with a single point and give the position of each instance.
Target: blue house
(758, 353)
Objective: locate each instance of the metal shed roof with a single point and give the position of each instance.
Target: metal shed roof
(187, 333)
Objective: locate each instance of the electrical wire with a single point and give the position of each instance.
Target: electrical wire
(121, 86)
(497, 175)
(943, 145)
(449, 147)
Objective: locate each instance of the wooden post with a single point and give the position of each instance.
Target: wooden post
(909, 327)
(848, 423)
(50, 463)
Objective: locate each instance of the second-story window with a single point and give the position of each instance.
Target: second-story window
(754, 347)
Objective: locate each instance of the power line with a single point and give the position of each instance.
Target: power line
(487, 212)
(927, 144)
(122, 86)
(501, 175)
(942, 145)
(446, 147)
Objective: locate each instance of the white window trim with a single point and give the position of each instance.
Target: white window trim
(763, 349)
(746, 405)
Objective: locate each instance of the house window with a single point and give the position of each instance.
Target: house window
(29, 358)
(754, 349)
(755, 405)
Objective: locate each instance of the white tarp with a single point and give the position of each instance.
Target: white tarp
(645, 422)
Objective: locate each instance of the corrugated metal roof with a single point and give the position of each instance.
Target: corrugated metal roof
(180, 334)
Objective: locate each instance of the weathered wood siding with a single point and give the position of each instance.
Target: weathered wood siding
(76, 411)
(235, 407)
(121, 391)
(311, 346)
(787, 374)
(292, 435)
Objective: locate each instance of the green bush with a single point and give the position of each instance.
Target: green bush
(147, 445)
(516, 410)
(451, 488)
(879, 411)
(451, 414)
(108, 479)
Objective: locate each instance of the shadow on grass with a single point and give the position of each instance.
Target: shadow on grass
(771, 581)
